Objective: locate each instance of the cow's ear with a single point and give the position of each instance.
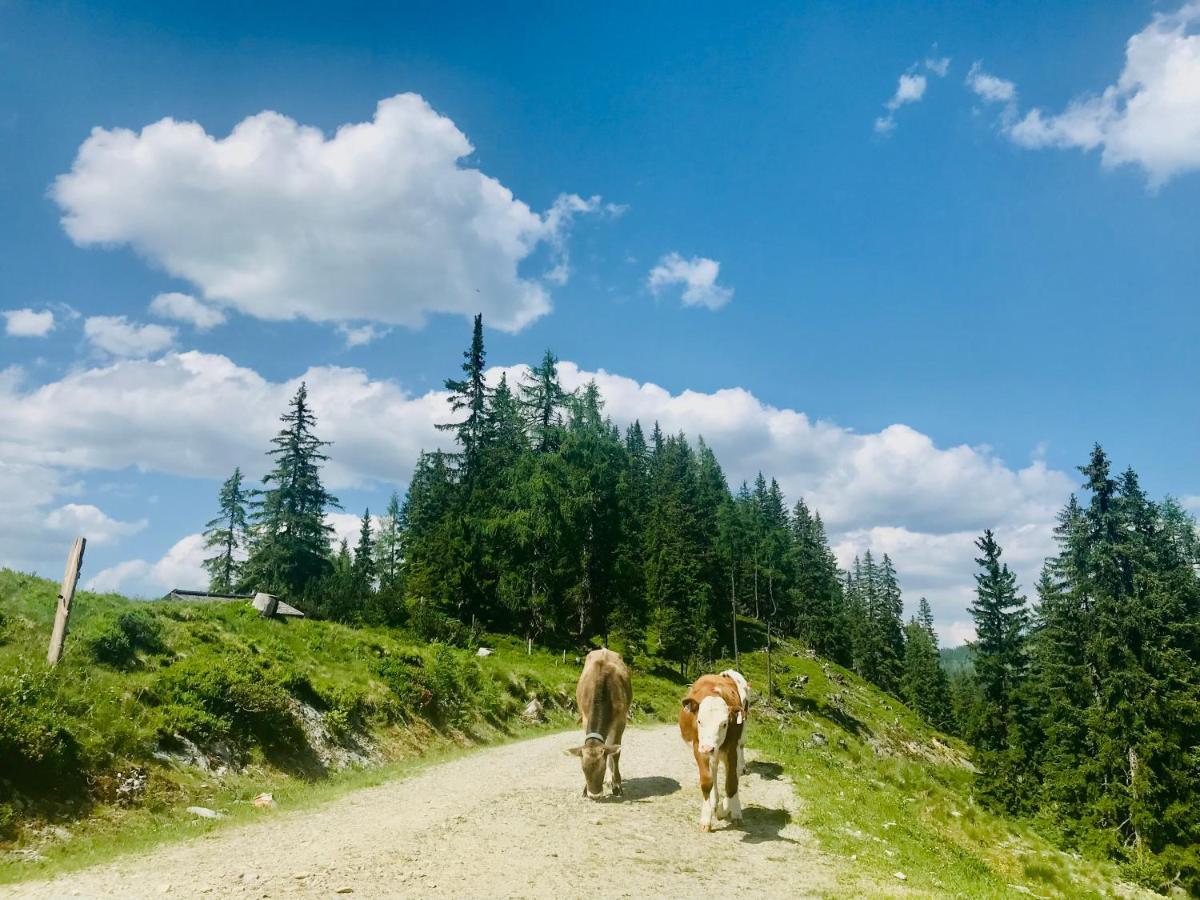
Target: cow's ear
(739, 717)
(576, 751)
(691, 705)
(612, 749)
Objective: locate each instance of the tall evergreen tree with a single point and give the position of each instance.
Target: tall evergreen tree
(227, 533)
(470, 394)
(925, 685)
(1001, 666)
(290, 537)
(542, 399)
(388, 546)
(365, 572)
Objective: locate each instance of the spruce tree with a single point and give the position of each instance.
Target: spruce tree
(542, 399)
(228, 534)
(290, 537)
(388, 547)
(365, 572)
(924, 683)
(1001, 667)
(470, 394)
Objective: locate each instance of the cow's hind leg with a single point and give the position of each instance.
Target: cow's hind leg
(741, 755)
(731, 785)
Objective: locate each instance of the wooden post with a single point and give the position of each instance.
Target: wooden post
(529, 646)
(66, 594)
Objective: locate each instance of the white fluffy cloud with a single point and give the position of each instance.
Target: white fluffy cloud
(1149, 118)
(698, 277)
(894, 490)
(180, 567)
(910, 88)
(379, 222)
(28, 323)
(120, 337)
(186, 308)
(361, 335)
(38, 526)
(990, 88)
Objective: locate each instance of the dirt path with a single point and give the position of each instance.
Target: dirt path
(502, 822)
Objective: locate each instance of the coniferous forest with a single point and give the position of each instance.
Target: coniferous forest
(549, 522)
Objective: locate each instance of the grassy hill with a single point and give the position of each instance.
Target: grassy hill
(157, 707)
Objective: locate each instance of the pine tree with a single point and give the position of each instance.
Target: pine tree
(290, 537)
(542, 399)
(228, 532)
(470, 394)
(924, 683)
(364, 555)
(388, 547)
(1001, 667)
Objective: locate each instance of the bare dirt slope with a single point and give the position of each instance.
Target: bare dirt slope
(502, 822)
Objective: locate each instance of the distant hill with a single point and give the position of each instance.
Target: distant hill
(957, 659)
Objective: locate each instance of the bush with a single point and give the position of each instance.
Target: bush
(231, 696)
(405, 677)
(37, 753)
(433, 625)
(118, 640)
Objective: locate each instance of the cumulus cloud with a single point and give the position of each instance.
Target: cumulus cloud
(28, 323)
(120, 337)
(382, 221)
(910, 88)
(38, 526)
(1150, 118)
(186, 308)
(697, 275)
(894, 490)
(361, 335)
(180, 567)
(990, 88)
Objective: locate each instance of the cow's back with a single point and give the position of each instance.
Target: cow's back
(604, 682)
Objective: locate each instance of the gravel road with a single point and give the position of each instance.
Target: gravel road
(507, 821)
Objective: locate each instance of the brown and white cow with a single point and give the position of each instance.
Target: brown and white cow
(743, 687)
(603, 696)
(711, 720)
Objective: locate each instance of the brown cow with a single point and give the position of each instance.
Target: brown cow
(711, 720)
(603, 696)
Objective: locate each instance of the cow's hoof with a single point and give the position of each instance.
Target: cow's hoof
(722, 812)
(616, 790)
(736, 820)
(705, 827)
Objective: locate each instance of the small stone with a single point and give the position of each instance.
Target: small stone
(204, 812)
(344, 890)
(818, 739)
(901, 876)
(265, 801)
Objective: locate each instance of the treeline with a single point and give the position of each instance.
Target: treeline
(548, 521)
(1086, 708)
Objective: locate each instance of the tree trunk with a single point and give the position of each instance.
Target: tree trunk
(733, 614)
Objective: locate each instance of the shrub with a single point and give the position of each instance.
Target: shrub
(211, 696)
(37, 752)
(405, 677)
(433, 625)
(118, 640)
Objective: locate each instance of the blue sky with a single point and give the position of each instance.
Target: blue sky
(1007, 286)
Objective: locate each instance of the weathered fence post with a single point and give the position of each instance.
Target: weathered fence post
(65, 595)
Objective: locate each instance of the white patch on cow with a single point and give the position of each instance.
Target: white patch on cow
(710, 804)
(743, 687)
(735, 808)
(712, 721)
